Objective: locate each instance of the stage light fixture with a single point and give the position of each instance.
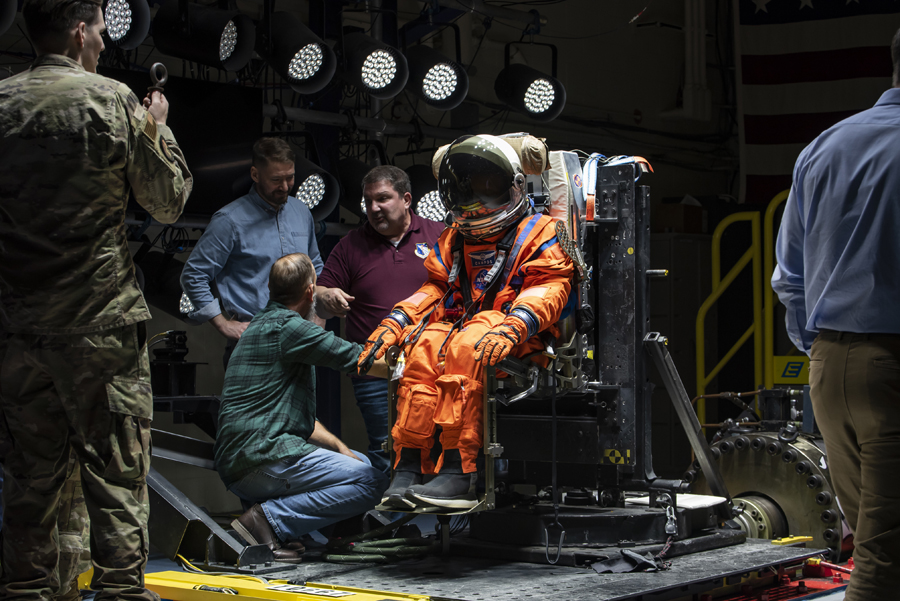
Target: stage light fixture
(439, 81)
(352, 171)
(431, 207)
(127, 22)
(7, 14)
(300, 56)
(529, 91)
(426, 201)
(159, 276)
(377, 69)
(185, 305)
(316, 188)
(223, 39)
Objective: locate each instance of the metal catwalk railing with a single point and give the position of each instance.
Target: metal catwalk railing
(761, 258)
(752, 257)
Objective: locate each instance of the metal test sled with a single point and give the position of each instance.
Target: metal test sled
(568, 476)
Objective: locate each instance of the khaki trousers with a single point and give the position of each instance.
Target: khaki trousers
(855, 390)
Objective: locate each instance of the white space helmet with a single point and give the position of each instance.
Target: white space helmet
(482, 185)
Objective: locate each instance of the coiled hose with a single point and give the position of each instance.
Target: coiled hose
(361, 548)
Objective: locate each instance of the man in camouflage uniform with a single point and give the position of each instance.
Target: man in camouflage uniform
(75, 375)
(74, 534)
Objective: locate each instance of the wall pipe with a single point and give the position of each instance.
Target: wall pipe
(535, 19)
(364, 123)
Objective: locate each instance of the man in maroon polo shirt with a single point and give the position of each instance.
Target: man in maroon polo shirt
(369, 271)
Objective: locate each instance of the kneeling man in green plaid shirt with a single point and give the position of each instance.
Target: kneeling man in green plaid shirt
(270, 448)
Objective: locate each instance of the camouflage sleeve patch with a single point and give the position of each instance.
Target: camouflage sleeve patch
(150, 127)
(157, 171)
(166, 152)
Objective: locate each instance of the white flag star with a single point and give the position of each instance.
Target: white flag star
(805, 3)
(761, 5)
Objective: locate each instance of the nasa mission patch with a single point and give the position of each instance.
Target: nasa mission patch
(479, 282)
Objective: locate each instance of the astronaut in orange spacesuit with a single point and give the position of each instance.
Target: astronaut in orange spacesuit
(496, 278)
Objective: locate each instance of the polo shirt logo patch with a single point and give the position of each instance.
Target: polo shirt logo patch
(483, 258)
(421, 250)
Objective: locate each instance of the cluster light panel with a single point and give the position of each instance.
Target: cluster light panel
(118, 19)
(379, 69)
(440, 82)
(185, 305)
(540, 96)
(228, 41)
(312, 191)
(430, 207)
(306, 62)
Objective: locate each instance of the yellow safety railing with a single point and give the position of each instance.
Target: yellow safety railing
(753, 256)
(768, 294)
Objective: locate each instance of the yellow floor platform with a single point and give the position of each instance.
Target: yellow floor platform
(184, 586)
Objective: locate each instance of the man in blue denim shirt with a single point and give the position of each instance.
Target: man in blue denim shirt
(838, 276)
(244, 239)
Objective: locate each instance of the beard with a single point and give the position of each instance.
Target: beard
(381, 224)
(311, 314)
(276, 197)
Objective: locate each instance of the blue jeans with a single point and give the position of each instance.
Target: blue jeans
(299, 495)
(371, 398)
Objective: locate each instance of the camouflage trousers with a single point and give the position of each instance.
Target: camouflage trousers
(87, 395)
(74, 534)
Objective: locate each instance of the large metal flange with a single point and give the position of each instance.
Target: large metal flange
(759, 517)
(778, 480)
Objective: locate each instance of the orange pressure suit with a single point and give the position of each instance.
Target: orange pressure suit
(442, 383)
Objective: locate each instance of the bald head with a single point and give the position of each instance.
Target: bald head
(292, 282)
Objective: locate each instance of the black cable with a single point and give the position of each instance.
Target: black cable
(24, 35)
(602, 33)
(554, 491)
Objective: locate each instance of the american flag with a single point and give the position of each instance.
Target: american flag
(803, 66)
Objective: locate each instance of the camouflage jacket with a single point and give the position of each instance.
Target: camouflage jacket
(72, 144)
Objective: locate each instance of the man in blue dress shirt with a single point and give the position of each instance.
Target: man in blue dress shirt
(838, 276)
(243, 241)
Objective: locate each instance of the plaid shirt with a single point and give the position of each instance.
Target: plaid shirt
(269, 398)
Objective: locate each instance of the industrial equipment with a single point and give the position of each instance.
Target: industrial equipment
(775, 466)
(568, 475)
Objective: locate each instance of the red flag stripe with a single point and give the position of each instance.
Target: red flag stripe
(826, 65)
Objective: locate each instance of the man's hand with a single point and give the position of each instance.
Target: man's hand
(321, 437)
(334, 301)
(498, 342)
(157, 105)
(228, 328)
(386, 335)
(349, 453)
(380, 369)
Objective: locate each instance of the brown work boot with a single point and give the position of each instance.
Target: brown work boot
(256, 530)
(294, 545)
